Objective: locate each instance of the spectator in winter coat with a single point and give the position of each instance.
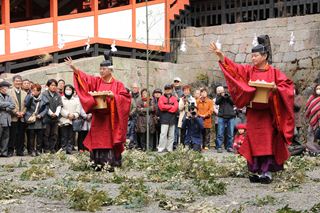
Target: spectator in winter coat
(240, 136)
(17, 129)
(69, 112)
(193, 125)
(155, 99)
(143, 105)
(86, 117)
(185, 102)
(226, 117)
(131, 132)
(168, 106)
(205, 111)
(6, 108)
(37, 107)
(52, 118)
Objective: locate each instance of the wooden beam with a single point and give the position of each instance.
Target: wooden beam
(134, 17)
(95, 8)
(28, 9)
(54, 15)
(6, 22)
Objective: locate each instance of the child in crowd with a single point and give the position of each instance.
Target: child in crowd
(239, 137)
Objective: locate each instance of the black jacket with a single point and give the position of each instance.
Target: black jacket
(226, 109)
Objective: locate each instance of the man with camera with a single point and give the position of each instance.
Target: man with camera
(226, 116)
(185, 103)
(193, 125)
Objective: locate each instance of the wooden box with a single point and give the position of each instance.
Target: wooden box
(262, 92)
(101, 99)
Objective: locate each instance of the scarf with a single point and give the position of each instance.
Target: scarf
(313, 111)
(37, 99)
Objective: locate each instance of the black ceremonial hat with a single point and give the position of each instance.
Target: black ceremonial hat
(108, 59)
(264, 46)
(259, 49)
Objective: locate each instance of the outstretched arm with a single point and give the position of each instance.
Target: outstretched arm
(237, 71)
(68, 61)
(217, 51)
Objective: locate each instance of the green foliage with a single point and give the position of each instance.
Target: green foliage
(136, 160)
(175, 183)
(159, 195)
(188, 197)
(118, 178)
(263, 201)
(203, 78)
(210, 187)
(133, 194)
(37, 173)
(22, 163)
(9, 167)
(184, 164)
(170, 205)
(80, 199)
(235, 166)
(8, 190)
(315, 208)
(287, 209)
(55, 192)
(46, 158)
(90, 177)
(239, 210)
(295, 172)
(79, 162)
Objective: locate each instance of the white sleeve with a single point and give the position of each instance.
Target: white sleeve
(58, 111)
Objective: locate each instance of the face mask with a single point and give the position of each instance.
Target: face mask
(318, 91)
(68, 92)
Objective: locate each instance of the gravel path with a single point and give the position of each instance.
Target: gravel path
(240, 193)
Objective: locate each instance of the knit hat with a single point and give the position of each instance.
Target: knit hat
(241, 126)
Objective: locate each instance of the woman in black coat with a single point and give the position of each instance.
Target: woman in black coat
(37, 108)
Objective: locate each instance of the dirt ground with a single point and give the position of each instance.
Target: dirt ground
(240, 195)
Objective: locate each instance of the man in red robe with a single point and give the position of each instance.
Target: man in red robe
(269, 126)
(107, 135)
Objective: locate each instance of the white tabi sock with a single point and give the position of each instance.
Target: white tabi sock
(268, 174)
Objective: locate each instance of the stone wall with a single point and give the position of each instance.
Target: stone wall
(300, 62)
(126, 70)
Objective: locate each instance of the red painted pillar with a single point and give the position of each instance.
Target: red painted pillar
(134, 32)
(6, 22)
(54, 16)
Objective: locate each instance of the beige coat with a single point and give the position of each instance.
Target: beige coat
(183, 108)
(13, 95)
(71, 106)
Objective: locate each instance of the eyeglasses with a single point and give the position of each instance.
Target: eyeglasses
(176, 81)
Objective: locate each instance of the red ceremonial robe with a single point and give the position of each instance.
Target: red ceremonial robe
(109, 126)
(269, 126)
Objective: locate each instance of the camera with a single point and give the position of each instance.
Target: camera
(192, 108)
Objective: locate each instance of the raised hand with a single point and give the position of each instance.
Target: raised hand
(68, 61)
(216, 50)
